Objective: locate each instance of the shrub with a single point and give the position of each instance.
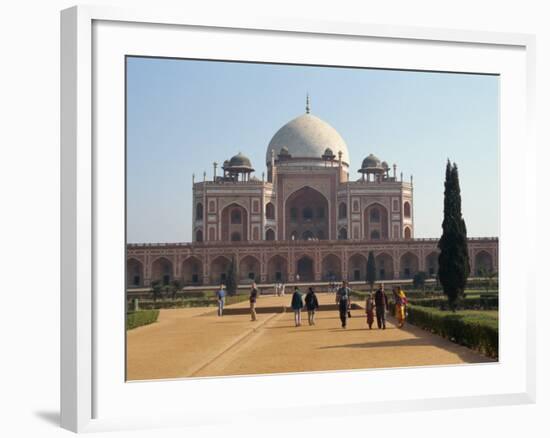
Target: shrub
(483, 302)
(193, 294)
(477, 333)
(189, 302)
(141, 317)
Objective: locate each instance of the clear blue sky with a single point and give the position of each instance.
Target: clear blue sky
(182, 115)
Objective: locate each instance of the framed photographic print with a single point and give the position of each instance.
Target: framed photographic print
(252, 206)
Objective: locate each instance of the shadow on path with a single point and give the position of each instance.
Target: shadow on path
(416, 342)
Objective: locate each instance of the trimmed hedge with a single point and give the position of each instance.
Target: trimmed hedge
(191, 302)
(476, 333)
(141, 317)
(483, 302)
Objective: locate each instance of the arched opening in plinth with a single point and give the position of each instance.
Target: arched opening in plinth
(191, 270)
(357, 268)
(408, 265)
(219, 269)
(306, 215)
(384, 266)
(249, 269)
(432, 264)
(134, 273)
(162, 270)
(483, 263)
(331, 268)
(277, 269)
(304, 269)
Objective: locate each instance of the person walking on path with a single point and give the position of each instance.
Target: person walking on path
(252, 298)
(400, 305)
(369, 306)
(381, 304)
(344, 302)
(312, 304)
(220, 295)
(297, 304)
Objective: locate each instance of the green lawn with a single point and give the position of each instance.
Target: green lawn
(140, 318)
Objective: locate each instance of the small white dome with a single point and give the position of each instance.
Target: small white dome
(307, 136)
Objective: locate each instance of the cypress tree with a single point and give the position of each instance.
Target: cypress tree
(454, 263)
(371, 270)
(231, 278)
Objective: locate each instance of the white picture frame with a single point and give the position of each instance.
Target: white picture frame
(88, 396)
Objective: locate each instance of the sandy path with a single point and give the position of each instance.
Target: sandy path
(190, 342)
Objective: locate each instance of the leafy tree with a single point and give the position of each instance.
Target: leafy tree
(156, 289)
(371, 270)
(489, 276)
(419, 280)
(231, 278)
(175, 287)
(454, 263)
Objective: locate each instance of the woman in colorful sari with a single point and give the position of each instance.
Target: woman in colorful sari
(400, 305)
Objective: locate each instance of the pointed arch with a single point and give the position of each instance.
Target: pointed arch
(269, 211)
(407, 209)
(198, 235)
(483, 263)
(384, 266)
(357, 267)
(408, 265)
(191, 269)
(376, 222)
(199, 211)
(134, 272)
(331, 268)
(343, 233)
(277, 269)
(219, 268)
(305, 268)
(269, 234)
(342, 210)
(303, 216)
(249, 269)
(162, 270)
(432, 263)
(234, 218)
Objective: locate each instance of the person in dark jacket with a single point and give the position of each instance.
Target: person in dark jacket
(344, 302)
(381, 304)
(297, 304)
(312, 304)
(252, 298)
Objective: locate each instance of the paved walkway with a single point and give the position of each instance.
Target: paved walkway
(195, 342)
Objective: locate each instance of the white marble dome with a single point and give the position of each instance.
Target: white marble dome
(307, 136)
